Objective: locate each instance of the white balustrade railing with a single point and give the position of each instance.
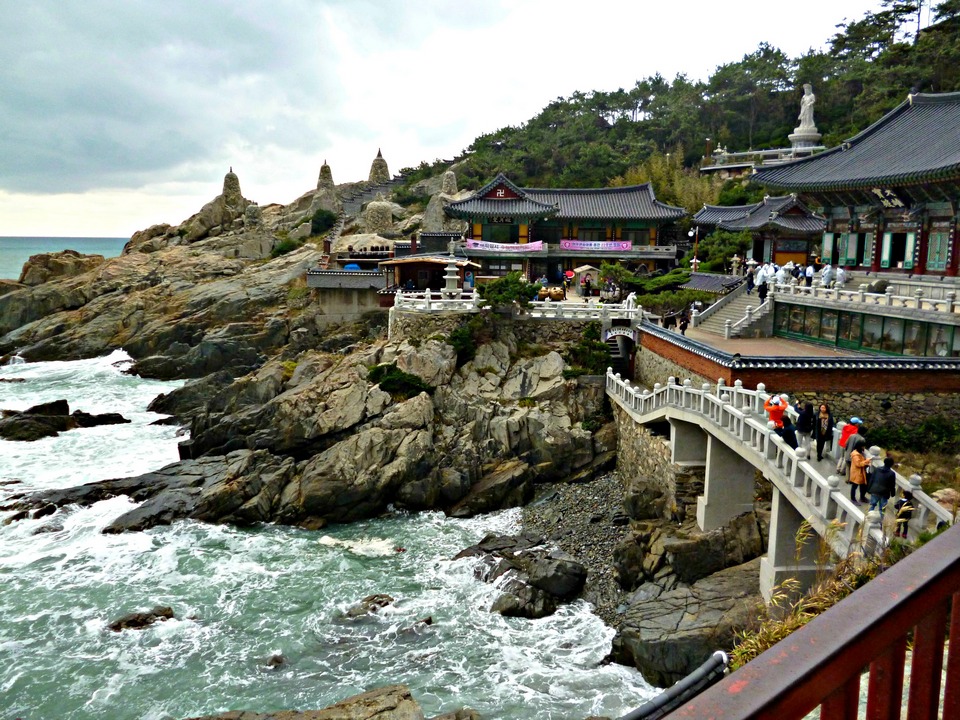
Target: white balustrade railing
(567, 310)
(738, 412)
(916, 301)
(432, 300)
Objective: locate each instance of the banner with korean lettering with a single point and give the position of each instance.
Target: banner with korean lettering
(503, 247)
(596, 245)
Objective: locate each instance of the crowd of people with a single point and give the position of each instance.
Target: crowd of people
(866, 474)
(759, 276)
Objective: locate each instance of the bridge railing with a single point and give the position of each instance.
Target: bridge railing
(738, 412)
(820, 665)
(566, 310)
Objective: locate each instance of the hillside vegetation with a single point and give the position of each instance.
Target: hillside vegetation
(598, 138)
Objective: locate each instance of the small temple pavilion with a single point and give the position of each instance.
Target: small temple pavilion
(891, 194)
(783, 228)
(548, 232)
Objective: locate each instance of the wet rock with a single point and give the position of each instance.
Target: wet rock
(669, 636)
(370, 605)
(140, 620)
(534, 578)
(393, 702)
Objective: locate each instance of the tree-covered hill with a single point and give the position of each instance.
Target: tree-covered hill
(597, 138)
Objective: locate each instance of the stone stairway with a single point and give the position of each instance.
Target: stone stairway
(619, 360)
(353, 203)
(734, 310)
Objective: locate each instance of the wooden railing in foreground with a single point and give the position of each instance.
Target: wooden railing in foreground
(821, 663)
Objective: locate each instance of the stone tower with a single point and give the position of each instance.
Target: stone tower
(232, 197)
(379, 173)
(326, 177)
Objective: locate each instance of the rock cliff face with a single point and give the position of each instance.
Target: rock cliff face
(49, 266)
(327, 445)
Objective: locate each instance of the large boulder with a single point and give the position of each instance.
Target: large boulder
(49, 419)
(669, 636)
(56, 265)
(533, 578)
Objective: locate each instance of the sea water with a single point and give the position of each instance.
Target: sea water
(243, 596)
(15, 251)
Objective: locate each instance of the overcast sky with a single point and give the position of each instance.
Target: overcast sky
(119, 114)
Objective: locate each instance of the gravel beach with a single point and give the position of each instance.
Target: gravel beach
(586, 520)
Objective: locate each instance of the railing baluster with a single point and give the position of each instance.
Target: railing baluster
(927, 665)
(951, 694)
(885, 688)
(843, 703)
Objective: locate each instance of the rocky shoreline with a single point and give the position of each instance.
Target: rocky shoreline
(586, 520)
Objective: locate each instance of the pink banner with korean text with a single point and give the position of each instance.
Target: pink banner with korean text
(504, 247)
(596, 245)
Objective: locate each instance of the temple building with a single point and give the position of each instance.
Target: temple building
(545, 231)
(891, 194)
(783, 228)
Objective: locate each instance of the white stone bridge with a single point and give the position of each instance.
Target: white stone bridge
(725, 430)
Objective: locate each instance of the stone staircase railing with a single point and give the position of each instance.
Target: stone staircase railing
(751, 315)
(698, 316)
(736, 414)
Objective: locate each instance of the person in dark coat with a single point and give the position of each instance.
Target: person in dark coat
(805, 425)
(823, 429)
(883, 484)
(788, 432)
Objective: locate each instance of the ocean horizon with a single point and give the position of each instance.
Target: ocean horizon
(16, 250)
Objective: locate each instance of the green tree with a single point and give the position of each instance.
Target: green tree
(507, 290)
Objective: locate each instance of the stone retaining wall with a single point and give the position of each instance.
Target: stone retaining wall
(878, 409)
(406, 324)
(643, 461)
(651, 368)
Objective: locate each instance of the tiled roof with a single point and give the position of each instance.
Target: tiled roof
(716, 214)
(711, 282)
(918, 141)
(764, 362)
(772, 212)
(347, 279)
(620, 203)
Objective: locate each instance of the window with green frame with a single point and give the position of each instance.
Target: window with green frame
(892, 339)
(828, 325)
(937, 250)
(940, 340)
(848, 329)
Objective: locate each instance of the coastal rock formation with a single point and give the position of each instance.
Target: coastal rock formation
(393, 702)
(533, 577)
(49, 419)
(224, 212)
(666, 637)
(378, 215)
(51, 266)
(140, 620)
(321, 443)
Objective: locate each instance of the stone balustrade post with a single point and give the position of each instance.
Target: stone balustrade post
(918, 294)
(727, 330)
(862, 293)
(951, 301)
(871, 521)
(888, 300)
(694, 317)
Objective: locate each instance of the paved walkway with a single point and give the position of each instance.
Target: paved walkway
(770, 347)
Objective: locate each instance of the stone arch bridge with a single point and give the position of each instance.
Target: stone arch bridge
(725, 430)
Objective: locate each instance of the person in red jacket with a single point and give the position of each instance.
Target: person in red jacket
(775, 406)
(848, 431)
